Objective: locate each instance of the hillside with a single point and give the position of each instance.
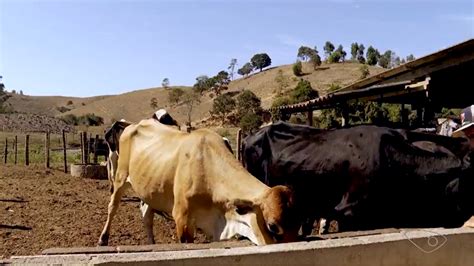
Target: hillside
(47, 105)
(263, 84)
(135, 105)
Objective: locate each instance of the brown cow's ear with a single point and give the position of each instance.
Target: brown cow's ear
(241, 206)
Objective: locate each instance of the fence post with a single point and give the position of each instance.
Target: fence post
(5, 154)
(96, 145)
(27, 149)
(238, 144)
(15, 147)
(85, 153)
(64, 151)
(82, 147)
(46, 149)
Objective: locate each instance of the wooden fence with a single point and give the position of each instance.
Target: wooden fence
(49, 149)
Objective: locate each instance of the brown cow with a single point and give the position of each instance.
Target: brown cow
(194, 178)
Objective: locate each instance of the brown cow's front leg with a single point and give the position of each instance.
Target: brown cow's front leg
(184, 229)
(119, 188)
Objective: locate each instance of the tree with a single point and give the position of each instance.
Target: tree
(373, 56)
(245, 69)
(315, 59)
(298, 68)
(219, 82)
(342, 53)
(174, 95)
(305, 53)
(335, 57)
(231, 67)
(303, 92)
(249, 111)
(360, 54)
(222, 106)
(354, 50)
(165, 83)
(260, 61)
(396, 61)
(3, 96)
(250, 122)
(282, 81)
(410, 58)
(328, 48)
(202, 84)
(385, 59)
(154, 103)
(190, 99)
(364, 71)
(247, 101)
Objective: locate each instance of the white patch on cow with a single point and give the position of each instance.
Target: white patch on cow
(322, 225)
(220, 226)
(160, 113)
(123, 120)
(143, 208)
(240, 225)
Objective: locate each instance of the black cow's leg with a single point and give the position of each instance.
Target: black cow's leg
(148, 215)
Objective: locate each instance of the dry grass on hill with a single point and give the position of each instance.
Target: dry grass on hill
(135, 105)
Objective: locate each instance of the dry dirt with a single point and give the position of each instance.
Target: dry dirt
(52, 209)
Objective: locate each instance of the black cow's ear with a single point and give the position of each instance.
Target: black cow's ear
(242, 206)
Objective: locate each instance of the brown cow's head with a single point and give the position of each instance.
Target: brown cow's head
(272, 217)
(280, 215)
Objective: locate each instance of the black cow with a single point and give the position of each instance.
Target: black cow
(101, 149)
(365, 176)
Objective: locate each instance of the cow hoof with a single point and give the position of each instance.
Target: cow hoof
(103, 241)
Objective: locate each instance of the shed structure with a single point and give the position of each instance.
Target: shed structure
(441, 79)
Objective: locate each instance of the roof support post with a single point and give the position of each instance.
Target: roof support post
(404, 115)
(345, 115)
(309, 117)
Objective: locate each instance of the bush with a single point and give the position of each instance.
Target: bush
(279, 101)
(303, 92)
(62, 109)
(364, 71)
(250, 122)
(298, 68)
(70, 119)
(87, 120)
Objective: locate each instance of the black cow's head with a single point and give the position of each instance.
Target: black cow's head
(112, 135)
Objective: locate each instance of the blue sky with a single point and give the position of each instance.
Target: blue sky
(86, 48)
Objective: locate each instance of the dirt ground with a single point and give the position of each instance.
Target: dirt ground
(43, 208)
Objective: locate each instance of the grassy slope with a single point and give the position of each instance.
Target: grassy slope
(46, 105)
(135, 105)
(263, 84)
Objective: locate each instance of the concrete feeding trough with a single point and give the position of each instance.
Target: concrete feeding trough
(92, 171)
(431, 246)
